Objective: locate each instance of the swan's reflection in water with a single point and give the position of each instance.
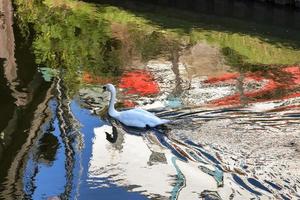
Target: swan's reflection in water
(159, 167)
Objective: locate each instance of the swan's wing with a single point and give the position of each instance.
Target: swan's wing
(151, 116)
(134, 118)
(142, 111)
(156, 120)
(139, 118)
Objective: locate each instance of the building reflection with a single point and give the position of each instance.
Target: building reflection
(23, 104)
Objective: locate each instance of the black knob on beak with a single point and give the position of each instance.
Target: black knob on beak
(104, 88)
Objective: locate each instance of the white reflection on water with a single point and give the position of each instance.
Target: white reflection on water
(157, 166)
(128, 164)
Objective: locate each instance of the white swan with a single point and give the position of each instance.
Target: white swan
(134, 117)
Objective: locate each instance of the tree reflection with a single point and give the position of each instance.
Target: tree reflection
(70, 37)
(47, 149)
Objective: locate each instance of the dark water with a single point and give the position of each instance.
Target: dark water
(230, 130)
(255, 14)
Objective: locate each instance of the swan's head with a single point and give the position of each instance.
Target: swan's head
(109, 87)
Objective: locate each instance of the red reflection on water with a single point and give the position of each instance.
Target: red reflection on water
(93, 79)
(228, 77)
(283, 108)
(139, 82)
(295, 72)
(280, 84)
(129, 104)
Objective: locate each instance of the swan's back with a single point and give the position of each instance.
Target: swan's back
(140, 118)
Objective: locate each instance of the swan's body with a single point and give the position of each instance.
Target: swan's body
(134, 117)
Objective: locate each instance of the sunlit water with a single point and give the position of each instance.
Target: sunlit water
(233, 134)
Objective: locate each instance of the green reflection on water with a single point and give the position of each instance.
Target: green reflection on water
(69, 35)
(254, 49)
(78, 36)
(256, 45)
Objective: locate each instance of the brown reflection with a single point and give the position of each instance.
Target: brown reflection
(7, 51)
(19, 84)
(12, 187)
(6, 101)
(23, 104)
(175, 68)
(210, 64)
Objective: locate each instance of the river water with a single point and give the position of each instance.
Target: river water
(234, 134)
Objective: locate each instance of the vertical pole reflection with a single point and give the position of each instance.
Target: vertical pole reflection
(69, 133)
(180, 183)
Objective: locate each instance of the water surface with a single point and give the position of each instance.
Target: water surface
(235, 127)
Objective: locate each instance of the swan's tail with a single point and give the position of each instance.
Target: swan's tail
(165, 121)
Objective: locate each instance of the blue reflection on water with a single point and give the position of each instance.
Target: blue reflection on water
(89, 122)
(68, 176)
(44, 179)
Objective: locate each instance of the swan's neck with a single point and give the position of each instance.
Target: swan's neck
(111, 108)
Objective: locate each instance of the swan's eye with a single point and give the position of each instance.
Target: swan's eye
(104, 87)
